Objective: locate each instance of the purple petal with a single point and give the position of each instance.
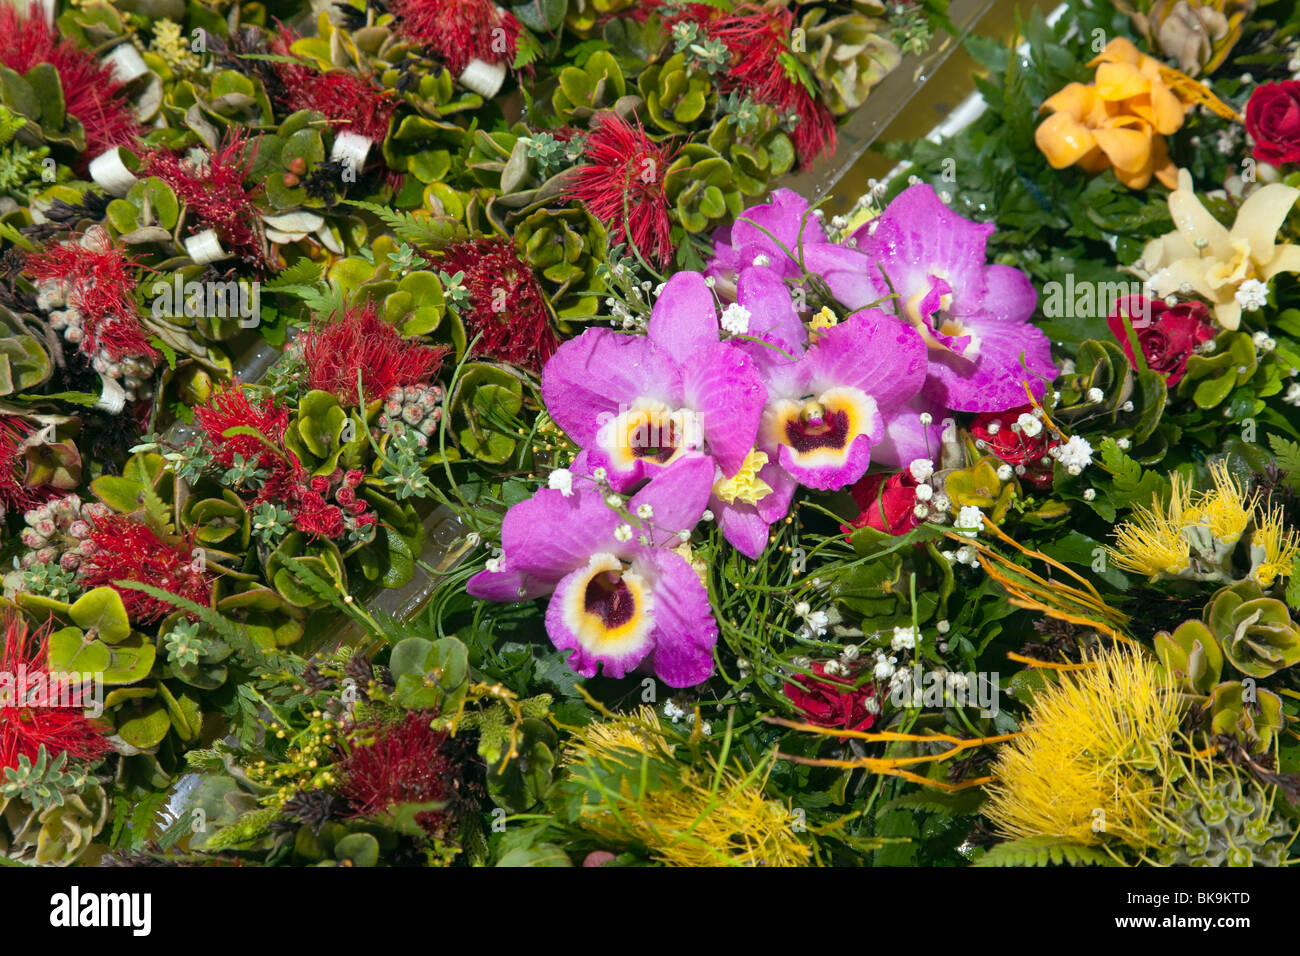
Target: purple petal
(507, 586)
(684, 630)
(723, 388)
(918, 238)
(994, 380)
(1011, 295)
(549, 535)
(741, 525)
(905, 438)
(776, 506)
(873, 352)
(677, 496)
(783, 218)
(600, 370)
(772, 316)
(685, 318)
(827, 475)
(851, 276)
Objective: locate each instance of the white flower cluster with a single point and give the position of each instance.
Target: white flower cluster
(931, 503)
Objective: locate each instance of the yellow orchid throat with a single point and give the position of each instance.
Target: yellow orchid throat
(745, 486)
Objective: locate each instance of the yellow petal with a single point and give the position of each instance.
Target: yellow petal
(1063, 140)
(1118, 50)
(1261, 216)
(1285, 259)
(1076, 100)
(1119, 81)
(1127, 144)
(1167, 110)
(1194, 222)
(1228, 314)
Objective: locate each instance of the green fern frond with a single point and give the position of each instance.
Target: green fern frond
(1045, 851)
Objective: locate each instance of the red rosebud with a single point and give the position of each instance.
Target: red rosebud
(353, 478)
(345, 496)
(831, 701)
(1168, 334)
(1273, 121)
(886, 503)
(993, 433)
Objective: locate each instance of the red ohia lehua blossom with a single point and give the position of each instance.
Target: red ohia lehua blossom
(36, 711)
(348, 102)
(231, 408)
(129, 550)
(214, 191)
(407, 762)
(757, 40)
(457, 31)
(15, 494)
(101, 287)
(506, 309)
(621, 182)
(91, 95)
(832, 700)
(336, 350)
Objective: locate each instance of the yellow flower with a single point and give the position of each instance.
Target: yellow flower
(745, 485)
(1226, 510)
(1272, 549)
(1213, 262)
(1118, 122)
(682, 814)
(1087, 764)
(1152, 541)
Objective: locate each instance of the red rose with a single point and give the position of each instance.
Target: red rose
(886, 503)
(831, 701)
(1273, 121)
(993, 432)
(1168, 335)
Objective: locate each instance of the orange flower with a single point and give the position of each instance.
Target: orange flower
(1119, 121)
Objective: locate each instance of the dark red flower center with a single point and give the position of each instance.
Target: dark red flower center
(817, 427)
(610, 599)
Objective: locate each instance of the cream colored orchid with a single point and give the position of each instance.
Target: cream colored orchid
(1200, 256)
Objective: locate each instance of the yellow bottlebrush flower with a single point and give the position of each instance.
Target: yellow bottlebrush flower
(1202, 256)
(1151, 542)
(745, 485)
(683, 815)
(1087, 763)
(1272, 549)
(1226, 510)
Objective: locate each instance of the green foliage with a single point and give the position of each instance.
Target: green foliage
(1044, 851)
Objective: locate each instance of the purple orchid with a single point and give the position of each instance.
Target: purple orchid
(767, 236)
(974, 317)
(639, 404)
(619, 598)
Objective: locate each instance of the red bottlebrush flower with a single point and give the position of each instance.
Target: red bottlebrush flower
(506, 306)
(993, 432)
(757, 39)
(1168, 335)
(91, 95)
(886, 503)
(362, 342)
(831, 700)
(214, 192)
(101, 288)
(15, 494)
(128, 550)
(408, 762)
(457, 31)
(36, 710)
(622, 184)
(347, 101)
(230, 408)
